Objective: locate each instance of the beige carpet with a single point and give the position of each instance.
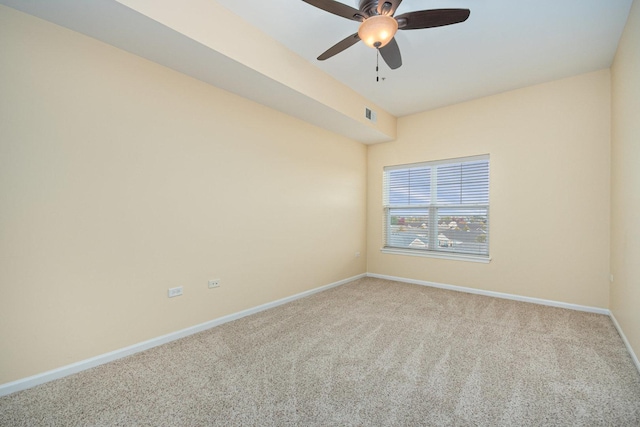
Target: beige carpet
(369, 353)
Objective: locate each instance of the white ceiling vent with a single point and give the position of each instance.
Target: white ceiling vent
(370, 115)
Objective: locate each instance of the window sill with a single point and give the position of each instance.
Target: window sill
(441, 255)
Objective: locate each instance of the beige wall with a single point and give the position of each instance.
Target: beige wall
(237, 39)
(549, 146)
(120, 179)
(625, 181)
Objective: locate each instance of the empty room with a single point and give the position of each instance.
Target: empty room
(319, 213)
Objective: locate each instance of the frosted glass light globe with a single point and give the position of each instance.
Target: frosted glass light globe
(377, 31)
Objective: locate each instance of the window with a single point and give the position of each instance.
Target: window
(438, 208)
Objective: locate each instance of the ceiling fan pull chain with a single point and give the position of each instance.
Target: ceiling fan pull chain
(377, 64)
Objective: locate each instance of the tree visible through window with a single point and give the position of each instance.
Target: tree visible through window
(440, 206)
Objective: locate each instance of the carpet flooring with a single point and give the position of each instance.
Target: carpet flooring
(368, 353)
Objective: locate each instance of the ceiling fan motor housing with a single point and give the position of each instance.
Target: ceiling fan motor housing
(370, 7)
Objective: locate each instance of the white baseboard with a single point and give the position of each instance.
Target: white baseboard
(633, 355)
(73, 368)
(25, 383)
(495, 294)
(588, 309)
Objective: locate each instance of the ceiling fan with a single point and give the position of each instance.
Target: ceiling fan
(378, 25)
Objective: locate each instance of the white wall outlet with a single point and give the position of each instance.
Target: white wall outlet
(357, 254)
(215, 283)
(175, 292)
(611, 278)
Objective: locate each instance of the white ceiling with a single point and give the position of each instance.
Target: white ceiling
(505, 44)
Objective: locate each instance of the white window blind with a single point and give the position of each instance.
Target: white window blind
(438, 207)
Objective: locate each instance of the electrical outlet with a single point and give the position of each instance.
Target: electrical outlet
(175, 292)
(357, 254)
(215, 283)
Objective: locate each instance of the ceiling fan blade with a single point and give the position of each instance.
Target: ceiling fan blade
(388, 7)
(391, 54)
(431, 18)
(339, 47)
(337, 8)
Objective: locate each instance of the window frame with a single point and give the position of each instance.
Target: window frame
(431, 211)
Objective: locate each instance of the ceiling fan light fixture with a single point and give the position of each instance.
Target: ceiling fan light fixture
(377, 31)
